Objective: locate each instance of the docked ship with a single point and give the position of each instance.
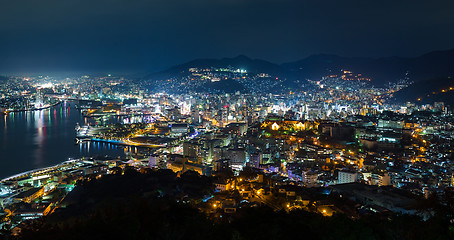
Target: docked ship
(82, 134)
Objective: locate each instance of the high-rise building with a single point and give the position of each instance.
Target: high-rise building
(346, 177)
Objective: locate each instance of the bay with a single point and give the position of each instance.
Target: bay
(36, 139)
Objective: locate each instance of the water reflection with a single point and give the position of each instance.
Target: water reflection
(42, 138)
(39, 138)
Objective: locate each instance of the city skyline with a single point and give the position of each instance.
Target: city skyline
(226, 119)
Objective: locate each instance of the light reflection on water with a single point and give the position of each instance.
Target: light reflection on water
(42, 138)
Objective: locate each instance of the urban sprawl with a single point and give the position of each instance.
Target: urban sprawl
(338, 145)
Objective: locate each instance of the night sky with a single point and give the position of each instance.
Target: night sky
(143, 35)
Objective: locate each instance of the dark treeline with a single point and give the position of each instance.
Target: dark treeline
(148, 206)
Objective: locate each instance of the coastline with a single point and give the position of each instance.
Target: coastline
(38, 170)
(30, 110)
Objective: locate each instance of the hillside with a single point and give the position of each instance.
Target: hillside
(148, 205)
(380, 70)
(294, 74)
(239, 62)
(439, 89)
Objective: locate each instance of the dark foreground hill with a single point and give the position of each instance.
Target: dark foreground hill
(145, 206)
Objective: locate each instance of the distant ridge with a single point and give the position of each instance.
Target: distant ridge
(240, 62)
(440, 89)
(380, 70)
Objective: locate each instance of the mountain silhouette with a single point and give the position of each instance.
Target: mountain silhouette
(380, 70)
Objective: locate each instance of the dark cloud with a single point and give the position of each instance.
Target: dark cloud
(139, 35)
